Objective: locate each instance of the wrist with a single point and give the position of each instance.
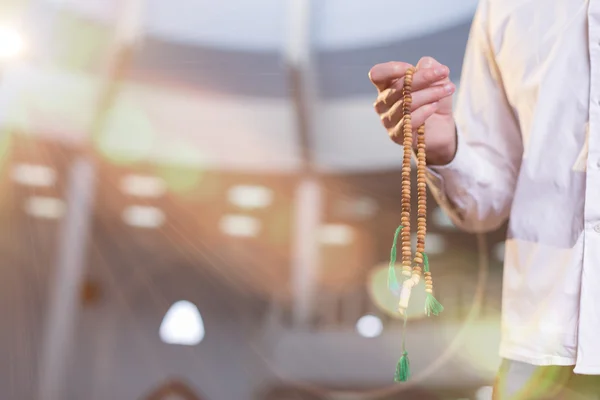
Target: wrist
(442, 157)
(444, 153)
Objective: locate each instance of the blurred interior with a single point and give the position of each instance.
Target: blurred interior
(198, 202)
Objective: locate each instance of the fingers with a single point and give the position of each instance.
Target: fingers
(393, 115)
(384, 75)
(426, 77)
(419, 117)
(422, 79)
(389, 103)
(428, 62)
(431, 83)
(432, 94)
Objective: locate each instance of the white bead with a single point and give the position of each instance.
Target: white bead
(416, 278)
(407, 286)
(407, 273)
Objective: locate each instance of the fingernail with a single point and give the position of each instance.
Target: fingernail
(427, 63)
(449, 88)
(439, 71)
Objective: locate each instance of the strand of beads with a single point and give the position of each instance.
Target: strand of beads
(432, 306)
(408, 143)
(412, 274)
(407, 131)
(428, 282)
(403, 367)
(421, 205)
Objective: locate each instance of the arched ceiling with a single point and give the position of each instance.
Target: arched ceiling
(208, 84)
(241, 24)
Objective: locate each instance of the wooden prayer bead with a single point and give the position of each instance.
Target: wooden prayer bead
(413, 269)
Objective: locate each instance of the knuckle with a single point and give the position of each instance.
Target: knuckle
(397, 105)
(385, 120)
(384, 95)
(395, 135)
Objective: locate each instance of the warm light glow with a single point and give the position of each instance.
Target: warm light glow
(182, 325)
(484, 393)
(33, 175)
(143, 186)
(249, 197)
(336, 235)
(12, 43)
(386, 301)
(240, 225)
(45, 207)
(478, 341)
(143, 216)
(369, 326)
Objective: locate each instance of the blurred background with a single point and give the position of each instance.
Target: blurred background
(197, 201)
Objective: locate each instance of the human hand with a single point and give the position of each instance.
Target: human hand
(431, 105)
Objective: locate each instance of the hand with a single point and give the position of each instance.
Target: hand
(431, 105)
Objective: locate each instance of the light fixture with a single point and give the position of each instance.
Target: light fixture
(143, 216)
(239, 225)
(44, 207)
(434, 243)
(369, 326)
(250, 197)
(143, 186)
(498, 251)
(336, 235)
(441, 219)
(182, 325)
(12, 43)
(33, 175)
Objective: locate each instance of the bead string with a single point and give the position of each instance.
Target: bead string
(408, 142)
(411, 268)
(414, 269)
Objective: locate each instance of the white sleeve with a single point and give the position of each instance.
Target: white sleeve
(476, 188)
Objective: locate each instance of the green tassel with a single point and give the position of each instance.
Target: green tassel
(402, 369)
(425, 262)
(393, 284)
(432, 306)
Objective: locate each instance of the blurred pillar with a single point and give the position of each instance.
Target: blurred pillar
(305, 256)
(298, 54)
(64, 302)
(70, 269)
(309, 197)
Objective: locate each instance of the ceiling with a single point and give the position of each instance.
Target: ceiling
(208, 85)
